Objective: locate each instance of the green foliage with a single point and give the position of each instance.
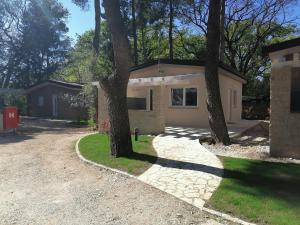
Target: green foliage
(81, 66)
(258, 191)
(36, 44)
(248, 28)
(96, 148)
(244, 51)
(17, 99)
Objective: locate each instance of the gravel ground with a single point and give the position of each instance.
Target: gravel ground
(253, 144)
(44, 182)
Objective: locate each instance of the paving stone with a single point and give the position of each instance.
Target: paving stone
(185, 169)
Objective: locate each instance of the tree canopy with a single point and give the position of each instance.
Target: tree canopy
(33, 43)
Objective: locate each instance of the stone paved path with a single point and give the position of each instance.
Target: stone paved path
(185, 169)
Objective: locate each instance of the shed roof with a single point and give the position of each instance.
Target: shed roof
(281, 46)
(185, 63)
(57, 82)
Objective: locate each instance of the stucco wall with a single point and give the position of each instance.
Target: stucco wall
(194, 116)
(187, 116)
(284, 125)
(179, 116)
(148, 122)
(198, 116)
(227, 84)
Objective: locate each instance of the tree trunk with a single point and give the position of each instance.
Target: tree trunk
(135, 50)
(222, 31)
(171, 54)
(96, 40)
(120, 137)
(115, 86)
(216, 118)
(145, 59)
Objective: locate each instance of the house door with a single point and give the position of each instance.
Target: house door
(54, 106)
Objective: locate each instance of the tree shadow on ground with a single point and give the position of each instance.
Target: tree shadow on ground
(170, 163)
(264, 192)
(267, 179)
(30, 127)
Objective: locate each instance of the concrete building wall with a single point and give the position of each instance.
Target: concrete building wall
(198, 116)
(152, 121)
(284, 125)
(148, 121)
(232, 113)
(195, 116)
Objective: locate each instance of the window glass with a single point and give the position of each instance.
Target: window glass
(191, 96)
(151, 99)
(295, 91)
(41, 101)
(177, 96)
(289, 57)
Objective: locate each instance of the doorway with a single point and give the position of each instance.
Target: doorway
(54, 105)
(232, 95)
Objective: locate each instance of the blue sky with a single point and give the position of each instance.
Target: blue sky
(79, 20)
(83, 20)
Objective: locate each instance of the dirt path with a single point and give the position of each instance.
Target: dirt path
(43, 182)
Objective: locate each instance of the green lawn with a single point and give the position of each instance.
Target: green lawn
(95, 147)
(261, 192)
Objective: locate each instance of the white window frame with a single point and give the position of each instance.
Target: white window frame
(184, 98)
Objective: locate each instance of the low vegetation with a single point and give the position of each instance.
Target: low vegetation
(258, 191)
(96, 148)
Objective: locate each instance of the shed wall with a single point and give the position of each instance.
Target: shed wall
(284, 125)
(65, 110)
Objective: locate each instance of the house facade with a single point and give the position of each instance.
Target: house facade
(55, 99)
(173, 93)
(285, 98)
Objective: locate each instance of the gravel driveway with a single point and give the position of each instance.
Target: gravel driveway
(44, 182)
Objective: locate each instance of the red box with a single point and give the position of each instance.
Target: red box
(10, 118)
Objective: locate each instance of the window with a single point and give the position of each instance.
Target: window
(177, 96)
(289, 57)
(184, 97)
(41, 101)
(191, 96)
(151, 100)
(136, 103)
(295, 91)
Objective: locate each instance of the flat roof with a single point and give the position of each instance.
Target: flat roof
(185, 63)
(281, 46)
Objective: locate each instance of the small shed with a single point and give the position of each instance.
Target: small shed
(55, 99)
(285, 98)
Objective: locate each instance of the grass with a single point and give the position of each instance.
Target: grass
(79, 123)
(96, 148)
(260, 192)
